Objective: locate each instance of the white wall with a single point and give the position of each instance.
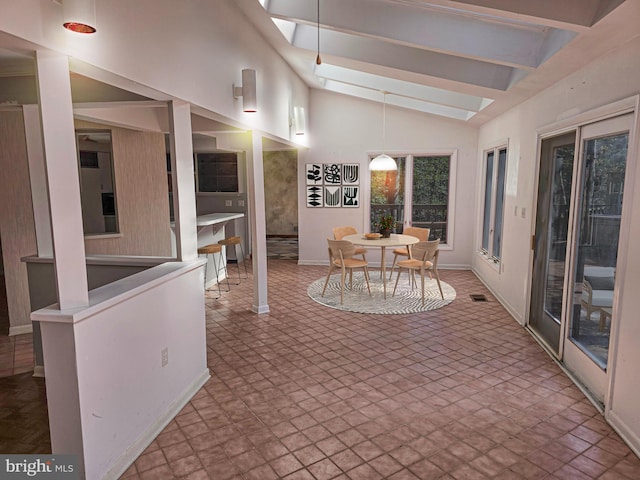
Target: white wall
(610, 78)
(203, 56)
(16, 218)
(345, 130)
(108, 393)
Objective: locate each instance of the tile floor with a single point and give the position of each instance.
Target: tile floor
(24, 422)
(308, 392)
(282, 248)
(16, 352)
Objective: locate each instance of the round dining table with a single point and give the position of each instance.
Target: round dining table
(395, 240)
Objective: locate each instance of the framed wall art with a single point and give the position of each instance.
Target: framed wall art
(314, 196)
(332, 185)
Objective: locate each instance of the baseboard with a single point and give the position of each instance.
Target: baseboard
(133, 452)
(507, 306)
(260, 309)
(630, 438)
(38, 371)
(325, 263)
(21, 329)
(454, 266)
(314, 263)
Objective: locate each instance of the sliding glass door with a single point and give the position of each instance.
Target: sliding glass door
(602, 169)
(552, 228)
(578, 221)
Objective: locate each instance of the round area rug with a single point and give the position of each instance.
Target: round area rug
(357, 299)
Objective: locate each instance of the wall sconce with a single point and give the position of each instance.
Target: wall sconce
(247, 91)
(299, 122)
(79, 15)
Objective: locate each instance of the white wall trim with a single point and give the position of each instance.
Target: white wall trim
(325, 263)
(626, 105)
(507, 306)
(134, 450)
(38, 371)
(20, 329)
(630, 438)
(260, 308)
(120, 291)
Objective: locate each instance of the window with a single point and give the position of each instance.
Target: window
(430, 202)
(387, 194)
(217, 172)
(429, 178)
(97, 182)
(495, 161)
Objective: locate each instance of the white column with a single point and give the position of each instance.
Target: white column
(58, 136)
(184, 198)
(63, 182)
(38, 177)
(258, 224)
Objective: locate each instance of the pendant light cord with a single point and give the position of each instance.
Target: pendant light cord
(384, 120)
(318, 60)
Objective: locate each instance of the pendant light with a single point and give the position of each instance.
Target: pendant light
(383, 162)
(318, 60)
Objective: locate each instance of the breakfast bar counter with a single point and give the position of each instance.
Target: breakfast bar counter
(211, 229)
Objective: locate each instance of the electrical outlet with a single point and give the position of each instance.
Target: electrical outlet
(241, 203)
(228, 203)
(165, 356)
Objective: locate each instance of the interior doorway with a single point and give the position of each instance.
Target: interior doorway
(578, 222)
(281, 203)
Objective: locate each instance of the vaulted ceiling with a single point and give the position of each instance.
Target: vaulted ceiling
(466, 59)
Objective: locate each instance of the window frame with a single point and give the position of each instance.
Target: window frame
(488, 254)
(408, 188)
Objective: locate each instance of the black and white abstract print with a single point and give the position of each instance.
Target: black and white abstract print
(332, 174)
(314, 196)
(314, 173)
(350, 174)
(332, 196)
(332, 185)
(350, 196)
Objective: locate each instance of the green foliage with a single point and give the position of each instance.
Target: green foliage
(430, 180)
(386, 222)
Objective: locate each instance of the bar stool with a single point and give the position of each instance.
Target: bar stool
(235, 241)
(212, 249)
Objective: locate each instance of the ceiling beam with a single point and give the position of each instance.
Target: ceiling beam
(469, 35)
(473, 72)
(585, 13)
(378, 83)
